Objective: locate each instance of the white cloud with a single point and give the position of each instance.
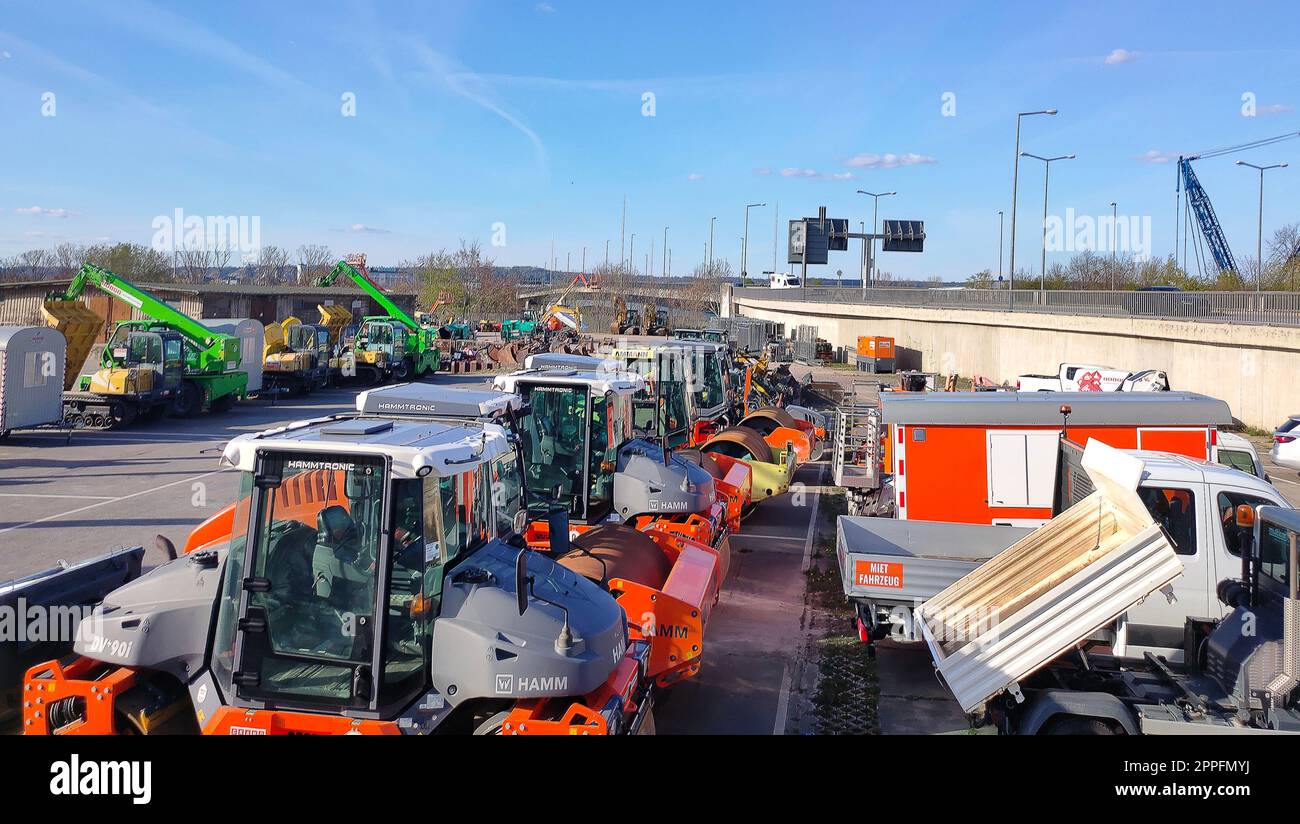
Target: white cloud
(810, 174)
(545, 8)
(1276, 108)
(41, 210)
(889, 160)
(361, 228)
(693, 176)
(1156, 156)
(1119, 56)
(5, 55)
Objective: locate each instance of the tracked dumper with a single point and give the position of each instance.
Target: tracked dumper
(372, 577)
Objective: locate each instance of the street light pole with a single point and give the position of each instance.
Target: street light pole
(875, 215)
(1259, 236)
(1000, 222)
(630, 248)
(744, 245)
(664, 271)
(1114, 240)
(710, 255)
(622, 233)
(1047, 174)
(1015, 183)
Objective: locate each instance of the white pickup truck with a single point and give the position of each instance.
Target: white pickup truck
(889, 567)
(1086, 377)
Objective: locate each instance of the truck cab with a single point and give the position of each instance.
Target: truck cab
(1194, 501)
(781, 280)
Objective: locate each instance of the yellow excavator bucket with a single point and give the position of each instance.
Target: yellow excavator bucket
(335, 318)
(80, 326)
(273, 339)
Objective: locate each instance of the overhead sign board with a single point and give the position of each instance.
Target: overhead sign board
(903, 236)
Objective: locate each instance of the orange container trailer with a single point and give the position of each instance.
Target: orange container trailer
(990, 457)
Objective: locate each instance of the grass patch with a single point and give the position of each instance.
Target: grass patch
(848, 691)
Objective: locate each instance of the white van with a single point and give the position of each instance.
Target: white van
(780, 280)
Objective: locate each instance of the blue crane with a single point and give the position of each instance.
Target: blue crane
(1199, 202)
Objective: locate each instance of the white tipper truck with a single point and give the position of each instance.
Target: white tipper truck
(890, 567)
(1086, 377)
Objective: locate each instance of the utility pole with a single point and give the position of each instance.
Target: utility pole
(622, 229)
(607, 254)
(650, 261)
(630, 249)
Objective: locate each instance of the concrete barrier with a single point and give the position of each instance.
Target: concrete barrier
(1256, 369)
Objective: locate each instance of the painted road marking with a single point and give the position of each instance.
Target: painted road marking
(43, 495)
(110, 501)
(783, 700)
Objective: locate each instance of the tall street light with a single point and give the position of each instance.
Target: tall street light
(664, 271)
(631, 247)
(1259, 237)
(1015, 182)
(1047, 175)
(1000, 221)
(744, 244)
(1114, 240)
(875, 214)
(710, 253)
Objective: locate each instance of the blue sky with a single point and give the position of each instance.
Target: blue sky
(531, 115)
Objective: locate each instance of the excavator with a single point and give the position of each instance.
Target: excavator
(371, 577)
(165, 363)
(296, 355)
(393, 345)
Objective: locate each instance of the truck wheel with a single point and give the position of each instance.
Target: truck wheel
(1078, 725)
(187, 401)
(403, 370)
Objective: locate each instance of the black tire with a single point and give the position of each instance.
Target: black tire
(188, 401)
(403, 371)
(222, 404)
(1077, 725)
(4, 434)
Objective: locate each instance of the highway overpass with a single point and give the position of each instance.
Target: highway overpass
(1241, 347)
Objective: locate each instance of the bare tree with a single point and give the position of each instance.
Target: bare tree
(315, 262)
(271, 263)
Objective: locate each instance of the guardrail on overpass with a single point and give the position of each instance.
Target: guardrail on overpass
(1252, 308)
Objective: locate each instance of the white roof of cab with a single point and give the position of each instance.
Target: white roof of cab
(439, 401)
(445, 447)
(1165, 467)
(600, 383)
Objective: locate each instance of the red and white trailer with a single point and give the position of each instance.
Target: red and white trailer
(990, 457)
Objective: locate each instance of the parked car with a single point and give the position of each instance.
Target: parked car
(1286, 444)
(1237, 452)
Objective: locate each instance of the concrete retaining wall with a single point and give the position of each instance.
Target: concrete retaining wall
(1256, 369)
